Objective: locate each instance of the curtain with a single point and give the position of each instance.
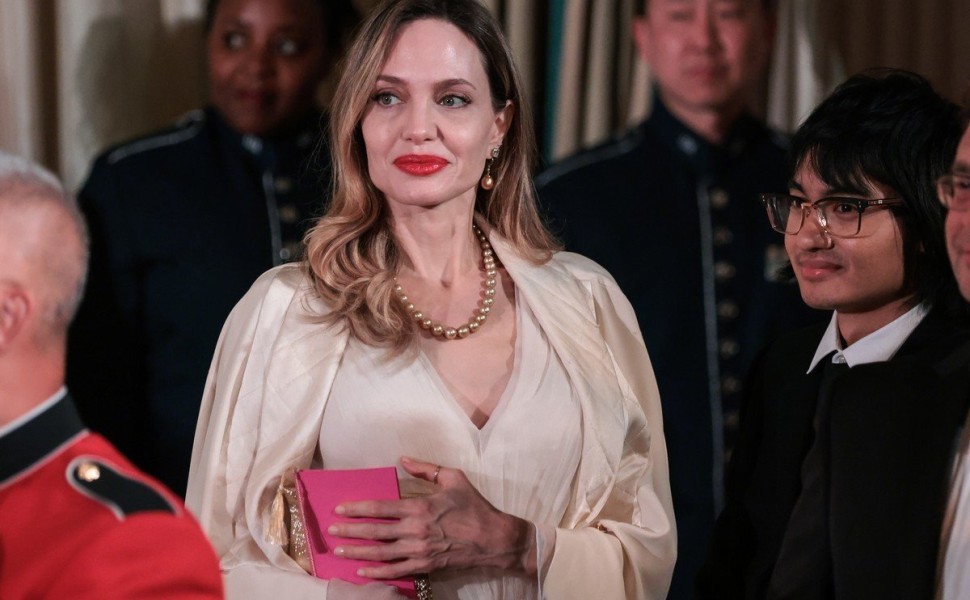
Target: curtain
(805, 64)
(78, 76)
(24, 81)
(96, 72)
(931, 37)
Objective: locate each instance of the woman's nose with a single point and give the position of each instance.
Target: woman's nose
(419, 123)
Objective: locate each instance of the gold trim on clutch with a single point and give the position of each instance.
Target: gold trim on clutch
(287, 527)
(422, 584)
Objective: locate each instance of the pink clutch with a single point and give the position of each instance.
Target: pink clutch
(319, 492)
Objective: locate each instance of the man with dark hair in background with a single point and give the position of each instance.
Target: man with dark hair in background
(953, 189)
(671, 210)
(184, 220)
(77, 520)
(837, 485)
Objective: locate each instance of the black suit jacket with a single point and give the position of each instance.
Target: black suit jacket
(891, 427)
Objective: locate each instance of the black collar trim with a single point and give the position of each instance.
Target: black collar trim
(28, 445)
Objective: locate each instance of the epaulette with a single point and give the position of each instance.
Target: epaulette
(120, 493)
(613, 148)
(187, 127)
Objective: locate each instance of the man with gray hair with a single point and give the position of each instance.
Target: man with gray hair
(101, 529)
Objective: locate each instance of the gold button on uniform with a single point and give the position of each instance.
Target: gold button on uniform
(283, 185)
(730, 385)
(719, 198)
(722, 236)
(726, 309)
(723, 271)
(88, 471)
(289, 214)
(729, 348)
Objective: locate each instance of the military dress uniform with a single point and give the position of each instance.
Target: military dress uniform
(182, 222)
(677, 221)
(78, 521)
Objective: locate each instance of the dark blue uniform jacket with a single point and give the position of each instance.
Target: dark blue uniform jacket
(182, 222)
(678, 223)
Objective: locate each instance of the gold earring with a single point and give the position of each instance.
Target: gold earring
(488, 182)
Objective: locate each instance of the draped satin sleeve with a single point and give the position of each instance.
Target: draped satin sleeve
(260, 415)
(622, 542)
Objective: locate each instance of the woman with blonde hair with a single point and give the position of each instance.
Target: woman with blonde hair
(435, 326)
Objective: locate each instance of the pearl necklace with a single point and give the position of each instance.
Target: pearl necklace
(481, 313)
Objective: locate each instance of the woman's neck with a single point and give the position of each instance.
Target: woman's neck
(437, 244)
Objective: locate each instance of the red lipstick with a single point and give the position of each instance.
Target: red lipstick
(420, 164)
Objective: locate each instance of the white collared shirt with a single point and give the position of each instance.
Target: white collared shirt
(956, 574)
(879, 346)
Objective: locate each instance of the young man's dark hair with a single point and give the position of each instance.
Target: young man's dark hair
(891, 127)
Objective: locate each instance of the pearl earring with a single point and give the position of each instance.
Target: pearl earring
(488, 182)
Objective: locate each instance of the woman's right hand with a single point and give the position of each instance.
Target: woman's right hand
(338, 589)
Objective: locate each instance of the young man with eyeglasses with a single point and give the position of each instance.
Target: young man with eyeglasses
(954, 192)
(838, 482)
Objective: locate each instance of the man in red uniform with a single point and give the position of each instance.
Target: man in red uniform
(77, 520)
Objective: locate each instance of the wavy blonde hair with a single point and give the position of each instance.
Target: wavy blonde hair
(352, 255)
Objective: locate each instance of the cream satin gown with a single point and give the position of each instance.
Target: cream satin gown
(523, 460)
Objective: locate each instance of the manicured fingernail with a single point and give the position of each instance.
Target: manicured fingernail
(340, 510)
(361, 573)
(332, 530)
(339, 551)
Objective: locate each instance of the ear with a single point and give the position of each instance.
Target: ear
(641, 37)
(15, 310)
(503, 120)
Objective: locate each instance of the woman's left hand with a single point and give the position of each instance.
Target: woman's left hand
(453, 528)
